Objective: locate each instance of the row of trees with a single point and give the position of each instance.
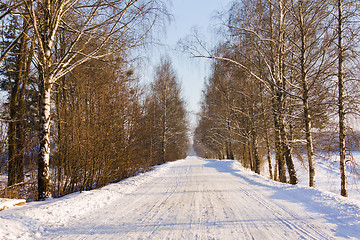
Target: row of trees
(66, 68)
(287, 73)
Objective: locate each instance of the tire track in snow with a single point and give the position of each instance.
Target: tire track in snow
(304, 224)
(200, 199)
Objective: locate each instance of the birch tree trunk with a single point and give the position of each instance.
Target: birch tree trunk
(283, 153)
(276, 58)
(308, 135)
(268, 153)
(281, 82)
(255, 150)
(306, 97)
(288, 154)
(44, 188)
(341, 101)
(266, 128)
(46, 30)
(279, 156)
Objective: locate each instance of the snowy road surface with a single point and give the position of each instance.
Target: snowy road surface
(189, 199)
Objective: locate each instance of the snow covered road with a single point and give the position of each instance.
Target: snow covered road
(190, 199)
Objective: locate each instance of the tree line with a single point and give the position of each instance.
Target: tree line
(76, 116)
(284, 81)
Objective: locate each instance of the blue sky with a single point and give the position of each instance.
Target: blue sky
(189, 14)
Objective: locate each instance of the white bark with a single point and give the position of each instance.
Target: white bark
(306, 97)
(341, 102)
(44, 190)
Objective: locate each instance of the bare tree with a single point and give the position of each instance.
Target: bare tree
(347, 32)
(341, 103)
(311, 62)
(167, 111)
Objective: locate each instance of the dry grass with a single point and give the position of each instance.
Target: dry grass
(24, 190)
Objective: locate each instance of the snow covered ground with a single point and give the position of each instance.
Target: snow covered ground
(327, 175)
(189, 199)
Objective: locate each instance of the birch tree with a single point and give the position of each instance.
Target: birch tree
(343, 191)
(347, 32)
(311, 40)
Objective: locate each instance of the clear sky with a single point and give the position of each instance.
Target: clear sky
(189, 14)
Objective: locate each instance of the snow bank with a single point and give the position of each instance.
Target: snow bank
(28, 222)
(327, 174)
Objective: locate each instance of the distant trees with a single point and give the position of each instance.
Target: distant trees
(166, 116)
(284, 51)
(232, 118)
